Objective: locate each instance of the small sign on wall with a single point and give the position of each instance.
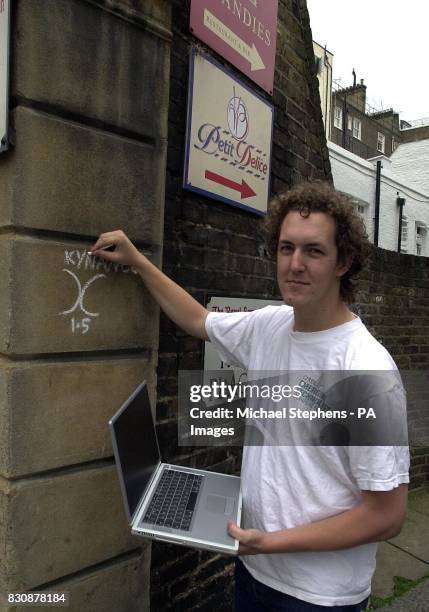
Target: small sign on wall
(212, 360)
(244, 33)
(229, 135)
(4, 72)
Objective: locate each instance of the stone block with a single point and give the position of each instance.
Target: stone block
(123, 587)
(120, 587)
(154, 15)
(57, 525)
(59, 299)
(77, 57)
(56, 414)
(66, 177)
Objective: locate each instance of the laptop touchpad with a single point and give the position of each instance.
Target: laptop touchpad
(219, 504)
(216, 503)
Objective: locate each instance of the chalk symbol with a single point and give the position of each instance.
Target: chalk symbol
(81, 294)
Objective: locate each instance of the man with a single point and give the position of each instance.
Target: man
(311, 514)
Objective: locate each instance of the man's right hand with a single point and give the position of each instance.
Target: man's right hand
(125, 252)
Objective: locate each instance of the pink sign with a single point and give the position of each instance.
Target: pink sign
(244, 32)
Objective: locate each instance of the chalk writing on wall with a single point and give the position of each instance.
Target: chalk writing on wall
(81, 318)
(81, 260)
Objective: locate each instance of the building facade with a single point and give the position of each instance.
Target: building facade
(359, 129)
(357, 177)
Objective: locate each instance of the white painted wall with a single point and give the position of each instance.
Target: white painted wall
(325, 83)
(410, 162)
(356, 177)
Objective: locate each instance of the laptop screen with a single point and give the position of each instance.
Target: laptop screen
(136, 453)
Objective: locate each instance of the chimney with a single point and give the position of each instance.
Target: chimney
(361, 82)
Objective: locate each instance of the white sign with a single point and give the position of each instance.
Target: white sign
(229, 134)
(4, 72)
(212, 361)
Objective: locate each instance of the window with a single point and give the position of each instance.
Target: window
(318, 62)
(394, 144)
(404, 234)
(420, 237)
(381, 141)
(361, 207)
(357, 128)
(349, 123)
(338, 117)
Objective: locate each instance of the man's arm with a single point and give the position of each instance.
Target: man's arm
(380, 516)
(177, 304)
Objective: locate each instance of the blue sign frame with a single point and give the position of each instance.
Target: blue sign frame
(186, 184)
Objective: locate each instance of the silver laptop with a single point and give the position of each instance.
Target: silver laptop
(168, 502)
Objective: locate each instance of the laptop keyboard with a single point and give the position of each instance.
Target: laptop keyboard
(173, 503)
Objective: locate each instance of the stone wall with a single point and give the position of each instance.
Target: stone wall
(89, 100)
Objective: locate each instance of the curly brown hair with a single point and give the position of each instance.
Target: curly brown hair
(350, 234)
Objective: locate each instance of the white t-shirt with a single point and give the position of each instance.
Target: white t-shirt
(288, 486)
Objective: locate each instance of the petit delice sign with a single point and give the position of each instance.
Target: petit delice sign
(229, 136)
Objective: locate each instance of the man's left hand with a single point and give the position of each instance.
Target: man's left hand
(251, 540)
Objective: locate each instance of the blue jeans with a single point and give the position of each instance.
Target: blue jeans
(253, 596)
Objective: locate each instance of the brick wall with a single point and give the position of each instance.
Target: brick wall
(212, 248)
(393, 302)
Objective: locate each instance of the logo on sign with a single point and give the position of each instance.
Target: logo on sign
(219, 142)
(238, 118)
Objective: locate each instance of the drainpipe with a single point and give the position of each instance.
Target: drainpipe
(377, 202)
(344, 120)
(401, 203)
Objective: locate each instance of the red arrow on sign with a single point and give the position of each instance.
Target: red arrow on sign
(245, 190)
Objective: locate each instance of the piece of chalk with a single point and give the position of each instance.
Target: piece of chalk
(108, 247)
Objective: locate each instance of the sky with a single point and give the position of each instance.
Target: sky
(386, 42)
